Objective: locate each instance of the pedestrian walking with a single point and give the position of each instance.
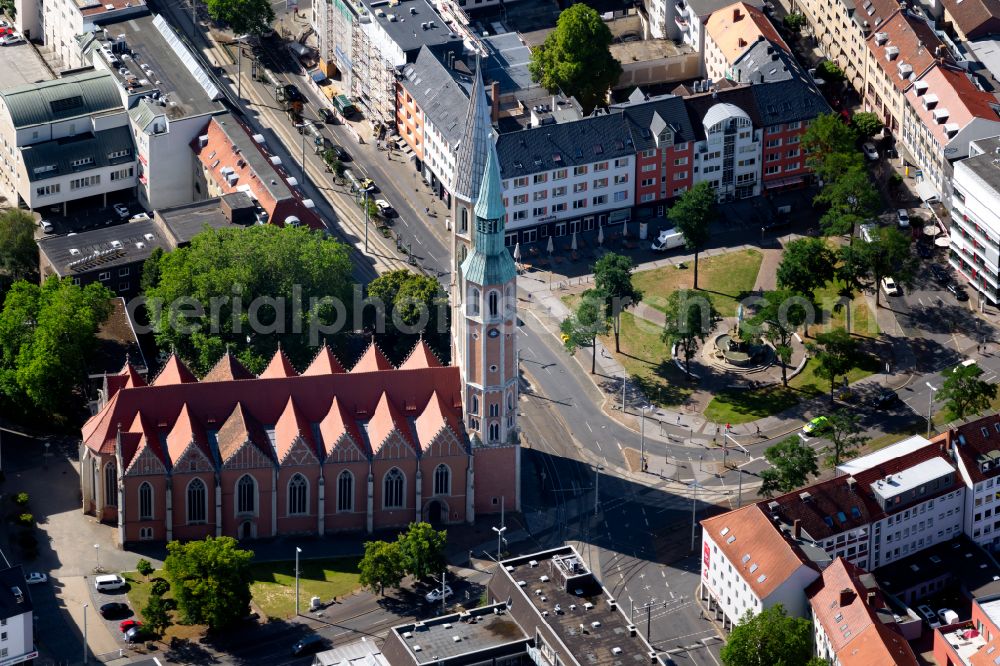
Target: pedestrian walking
(758, 431)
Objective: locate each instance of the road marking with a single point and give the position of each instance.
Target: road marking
(599, 448)
(647, 521)
(588, 427)
(619, 445)
(663, 574)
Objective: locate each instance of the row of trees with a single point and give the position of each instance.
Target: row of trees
(418, 552)
(294, 285)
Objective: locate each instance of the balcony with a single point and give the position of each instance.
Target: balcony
(682, 9)
(681, 22)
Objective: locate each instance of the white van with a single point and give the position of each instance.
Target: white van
(109, 583)
(668, 240)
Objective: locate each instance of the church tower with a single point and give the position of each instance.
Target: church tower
(484, 286)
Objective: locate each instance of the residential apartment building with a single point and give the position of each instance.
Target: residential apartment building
(169, 97)
(747, 566)
(682, 20)
(970, 19)
(853, 623)
(975, 642)
(369, 39)
(975, 218)
(59, 22)
(17, 637)
(65, 140)
(228, 158)
(729, 32)
(976, 448)
(567, 177)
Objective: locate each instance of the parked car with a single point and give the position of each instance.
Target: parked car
(384, 208)
(889, 287)
(308, 645)
(34, 578)
(292, 93)
(816, 425)
(958, 292)
(435, 594)
(46, 226)
(940, 274)
(11, 39)
(929, 616)
(137, 634)
(870, 151)
(115, 610)
(884, 398)
(369, 184)
(668, 240)
(327, 116)
(340, 152)
(128, 624)
(109, 583)
(903, 218)
(121, 210)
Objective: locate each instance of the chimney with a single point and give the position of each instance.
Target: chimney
(736, 14)
(846, 597)
(495, 99)
(797, 529)
(871, 599)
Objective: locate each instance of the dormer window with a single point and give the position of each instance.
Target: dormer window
(930, 101)
(891, 52)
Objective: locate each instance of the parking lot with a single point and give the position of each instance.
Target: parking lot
(22, 65)
(89, 214)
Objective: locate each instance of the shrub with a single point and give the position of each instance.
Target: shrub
(160, 587)
(27, 539)
(21, 499)
(144, 567)
(26, 519)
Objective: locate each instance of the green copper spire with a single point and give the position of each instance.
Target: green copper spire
(489, 262)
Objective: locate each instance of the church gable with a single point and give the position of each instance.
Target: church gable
(193, 459)
(247, 456)
(345, 450)
(299, 453)
(146, 463)
(394, 447)
(444, 444)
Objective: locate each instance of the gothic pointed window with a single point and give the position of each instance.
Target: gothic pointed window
(246, 494)
(196, 498)
(442, 480)
(110, 485)
(145, 501)
(464, 220)
(393, 489)
(473, 302)
(298, 496)
(494, 432)
(494, 304)
(345, 491)
(474, 404)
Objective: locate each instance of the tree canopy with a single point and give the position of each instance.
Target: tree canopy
(18, 249)
(852, 198)
(806, 264)
(249, 290)
(792, 463)
(836, 352)
(585, 324)
(843, 429)
(867, 123)
(210, 580)
(414, 305)
(781, 313)
(689, 318)
(245, 17)
(887, 255)
(692, 214)
(826, 135)
(613, 278)
(47, 334)
(383, 565)
(769, 638)
(422, 550)
(964, 393)
(576, 58)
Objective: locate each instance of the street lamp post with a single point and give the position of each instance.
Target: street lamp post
(85, 606)
(97, 549)
(597, 486)
(642, 439)
(297, 551)
(694, 511)
(499, 531)
(624, 379)
(930, 405)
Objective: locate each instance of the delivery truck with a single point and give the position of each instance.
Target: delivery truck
(668, 240)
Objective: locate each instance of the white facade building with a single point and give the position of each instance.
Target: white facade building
(60, 22)
(729, 158)
(65, 140)
(975, 219)
(17, 638)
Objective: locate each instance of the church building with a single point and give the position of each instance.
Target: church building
(322, 449)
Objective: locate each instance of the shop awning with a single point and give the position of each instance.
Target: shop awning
(926, 191)
(619, 215)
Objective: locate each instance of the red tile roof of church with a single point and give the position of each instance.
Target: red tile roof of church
(174, 372)
(237, 430)
(291, 424)
(279, 366)
(325, 363)
(372, 360)
(421, 357)
(331, 403)
(228, 368)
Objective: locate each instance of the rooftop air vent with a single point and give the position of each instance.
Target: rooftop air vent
(891, 52)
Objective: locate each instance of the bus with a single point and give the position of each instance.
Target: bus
(344, 105)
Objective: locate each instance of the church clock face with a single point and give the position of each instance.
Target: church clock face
(493, 333)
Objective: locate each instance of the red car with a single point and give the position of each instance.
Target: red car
(128, 624)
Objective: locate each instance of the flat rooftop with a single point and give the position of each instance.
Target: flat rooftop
(912, 477)
(410, 23)
(644, 50)
(94, 9)
(965, 640)
(975, 571)
(147, 58)
(460, 633)
(992, 610)
(568, 598)
(21, 65)
(107, 247)
(857, 465)
(983, 166)
(187, 221)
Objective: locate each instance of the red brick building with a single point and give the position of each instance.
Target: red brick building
(320, 451)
